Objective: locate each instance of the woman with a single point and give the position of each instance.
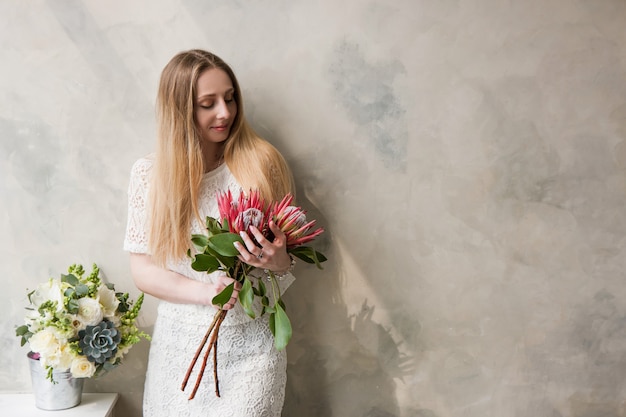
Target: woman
(204, 147)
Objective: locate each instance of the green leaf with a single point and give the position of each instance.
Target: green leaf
(223, 244)
(308, 255)
(70, 279)
(282, 328)
(21, 331)
(82, 290)
(272, 323)
(213, 226)
(222, 298)
(262, 288)
(72, 306)
(124, 305)
(226, 261)
(246, 297)
(320, 257)
(206, 263)
(200, 241)
(69, 293)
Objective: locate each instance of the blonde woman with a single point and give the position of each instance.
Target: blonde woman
(204, 146)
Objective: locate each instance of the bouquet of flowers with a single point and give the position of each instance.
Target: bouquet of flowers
(77, 322)
(216, 251)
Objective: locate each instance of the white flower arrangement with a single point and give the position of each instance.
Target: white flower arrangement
(80, 324)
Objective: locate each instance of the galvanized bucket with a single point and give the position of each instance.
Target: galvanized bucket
(66, 392)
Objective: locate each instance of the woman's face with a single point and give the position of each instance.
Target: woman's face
(215, 107)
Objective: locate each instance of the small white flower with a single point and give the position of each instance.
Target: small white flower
(89, 311)
(108, 300)
(77, 324)
(82, 368)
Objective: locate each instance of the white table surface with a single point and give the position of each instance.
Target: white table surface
(23, 405)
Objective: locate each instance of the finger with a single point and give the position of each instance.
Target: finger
(278, 233)
(231, 301)
(244, 254)
(250, 245)
(259, 236)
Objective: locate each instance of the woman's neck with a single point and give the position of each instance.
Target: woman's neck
(213, 155)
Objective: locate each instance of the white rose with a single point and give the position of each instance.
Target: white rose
(51, 290)
(89, 311)
(44, 342)
(63, 357)
(82, 368)
(108, 300)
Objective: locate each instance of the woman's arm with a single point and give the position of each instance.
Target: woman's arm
(176, 288)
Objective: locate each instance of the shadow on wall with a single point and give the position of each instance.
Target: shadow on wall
(340, 364)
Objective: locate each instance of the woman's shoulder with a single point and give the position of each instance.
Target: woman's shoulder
(142, 166)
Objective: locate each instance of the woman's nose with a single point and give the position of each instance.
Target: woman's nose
(223, 112)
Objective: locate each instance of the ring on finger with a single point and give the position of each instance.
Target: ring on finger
(260, 255)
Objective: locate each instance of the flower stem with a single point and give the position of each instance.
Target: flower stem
(212, 342)
(198, 351)
(274, 287)
(217, 381)
(213, 332)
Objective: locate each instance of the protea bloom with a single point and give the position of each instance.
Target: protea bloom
(292, 221)
(242, 213)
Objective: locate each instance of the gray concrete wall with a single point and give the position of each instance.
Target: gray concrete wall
(468, 159)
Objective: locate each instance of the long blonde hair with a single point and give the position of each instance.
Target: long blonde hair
(179, 165)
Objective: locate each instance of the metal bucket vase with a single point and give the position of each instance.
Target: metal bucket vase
(66, 393)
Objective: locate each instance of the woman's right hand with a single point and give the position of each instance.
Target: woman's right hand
(222, 282)
(176, 288)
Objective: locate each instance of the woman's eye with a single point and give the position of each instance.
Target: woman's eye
(209, 106)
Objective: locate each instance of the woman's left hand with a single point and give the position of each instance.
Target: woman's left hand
(271, 255)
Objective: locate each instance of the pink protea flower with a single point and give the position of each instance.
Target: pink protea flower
(292, 221)
(242, 213)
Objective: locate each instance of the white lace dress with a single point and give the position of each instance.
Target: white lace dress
(251, 372)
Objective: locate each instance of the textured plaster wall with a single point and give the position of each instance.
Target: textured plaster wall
(468, 159)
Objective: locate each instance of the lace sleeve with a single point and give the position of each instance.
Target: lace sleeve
(136, 239)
